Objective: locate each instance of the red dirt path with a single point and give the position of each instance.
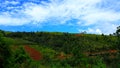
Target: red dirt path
(102, 52)
(34, 54)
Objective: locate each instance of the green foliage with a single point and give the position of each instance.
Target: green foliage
(18, 59)
(98, 63)
(16, 41)
(5, 52)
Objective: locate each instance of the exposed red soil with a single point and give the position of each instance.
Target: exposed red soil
(14, 47)
(101, 52)
(62, 56)
(34, 54)
(78, 35)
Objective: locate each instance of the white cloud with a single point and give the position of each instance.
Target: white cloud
(92, 30)
(95, 18)
(37, 13)
(88, 12)
(60, 11)
(107, 27)
(97, 31)
(6, 19)
(11, 2)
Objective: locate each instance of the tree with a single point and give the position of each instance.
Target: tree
(118, 36)
(118, 31)
(5, 52)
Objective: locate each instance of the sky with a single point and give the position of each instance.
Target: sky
(73, 16)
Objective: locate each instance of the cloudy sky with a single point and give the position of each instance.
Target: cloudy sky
(74, 16)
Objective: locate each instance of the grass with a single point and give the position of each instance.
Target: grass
(16, 41)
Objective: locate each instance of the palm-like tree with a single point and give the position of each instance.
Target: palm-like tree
(118, 31)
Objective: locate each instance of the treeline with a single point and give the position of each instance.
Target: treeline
(62, 40)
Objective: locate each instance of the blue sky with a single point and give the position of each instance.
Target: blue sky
(74, 16)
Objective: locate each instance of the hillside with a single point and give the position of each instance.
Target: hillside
(59, 50)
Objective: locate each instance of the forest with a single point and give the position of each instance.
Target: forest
(59, 50)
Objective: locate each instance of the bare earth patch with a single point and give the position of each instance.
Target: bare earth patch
(34, 54)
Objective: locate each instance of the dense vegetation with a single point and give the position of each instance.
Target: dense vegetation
(59, 50)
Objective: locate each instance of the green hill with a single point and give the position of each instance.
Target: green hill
(60, 50)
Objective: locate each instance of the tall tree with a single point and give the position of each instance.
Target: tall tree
(118, 35)
(118, 31)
